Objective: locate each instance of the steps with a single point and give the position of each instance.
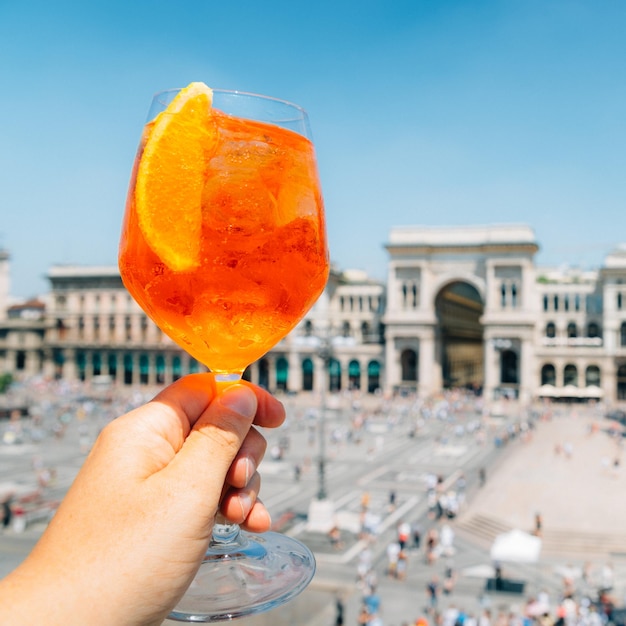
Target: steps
(482, 529)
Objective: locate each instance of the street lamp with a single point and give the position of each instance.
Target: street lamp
(325, 353)
(321, 509)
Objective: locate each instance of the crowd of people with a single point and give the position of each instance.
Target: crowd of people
(428, 545)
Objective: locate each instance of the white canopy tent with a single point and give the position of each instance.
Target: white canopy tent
(516, 546)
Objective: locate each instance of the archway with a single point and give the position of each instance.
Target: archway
(282, 373)
(621, 382)
(354, 374)
(459, 308)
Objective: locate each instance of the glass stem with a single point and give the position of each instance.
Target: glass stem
(225, 535)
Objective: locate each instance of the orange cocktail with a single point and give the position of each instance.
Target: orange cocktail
(227, 280)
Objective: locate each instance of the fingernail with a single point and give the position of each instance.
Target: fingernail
(250, 469)
(239, 399)
(245, 502)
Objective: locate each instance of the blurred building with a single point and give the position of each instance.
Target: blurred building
(461, 307)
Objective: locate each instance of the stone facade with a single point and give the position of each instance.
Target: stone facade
(462, 306)
(91, 327)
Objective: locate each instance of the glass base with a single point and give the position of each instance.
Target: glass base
(255, 574)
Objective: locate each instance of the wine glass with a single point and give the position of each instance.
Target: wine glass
(224, 247)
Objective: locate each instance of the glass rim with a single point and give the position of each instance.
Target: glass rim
(234, 92)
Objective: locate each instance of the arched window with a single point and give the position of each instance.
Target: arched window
(621, 382)
(570, 375)
(160, 369)
(128, 369)
(550, 330)
(593, 330)
(345, 329)
(622, 334)
(572, 331)
(282, 373)
(144, 369)
(548, 375)
(308, 326)
(408, 360)
(20, 360)
(112, 364)
(334, 375)
(365, 331)
(81, 363)
(354, 374)
(264, 374)
(96, 362)
(307, 375)
(177, 368)
(592, 376)
(508, 367)
(373, 376)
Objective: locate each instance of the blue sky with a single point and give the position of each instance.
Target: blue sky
(434, 112)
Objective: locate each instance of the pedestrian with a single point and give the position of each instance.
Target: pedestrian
(7, 512)
(482, 476)
(401, 566)
(448, 579)
(432, 590)
(417, 535)
(431, 546)
(372, 602)
(339, 610)
(392, 500)
(404, 532)
(334, 534)
(393, 551)
(365, 501)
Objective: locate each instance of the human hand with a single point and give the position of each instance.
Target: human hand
(133, 528)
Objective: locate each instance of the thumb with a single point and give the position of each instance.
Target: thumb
(214, 441)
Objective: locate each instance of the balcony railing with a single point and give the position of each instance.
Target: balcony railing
(573, 342)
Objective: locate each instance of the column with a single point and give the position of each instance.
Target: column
(294, 382)
(527, 380)
(609, 385)
(392, 365)
(345, 374)
(69, 364)
(429, 375)
(152, 378)
(491, 370)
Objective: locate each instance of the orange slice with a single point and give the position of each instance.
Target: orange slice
(170, 178)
